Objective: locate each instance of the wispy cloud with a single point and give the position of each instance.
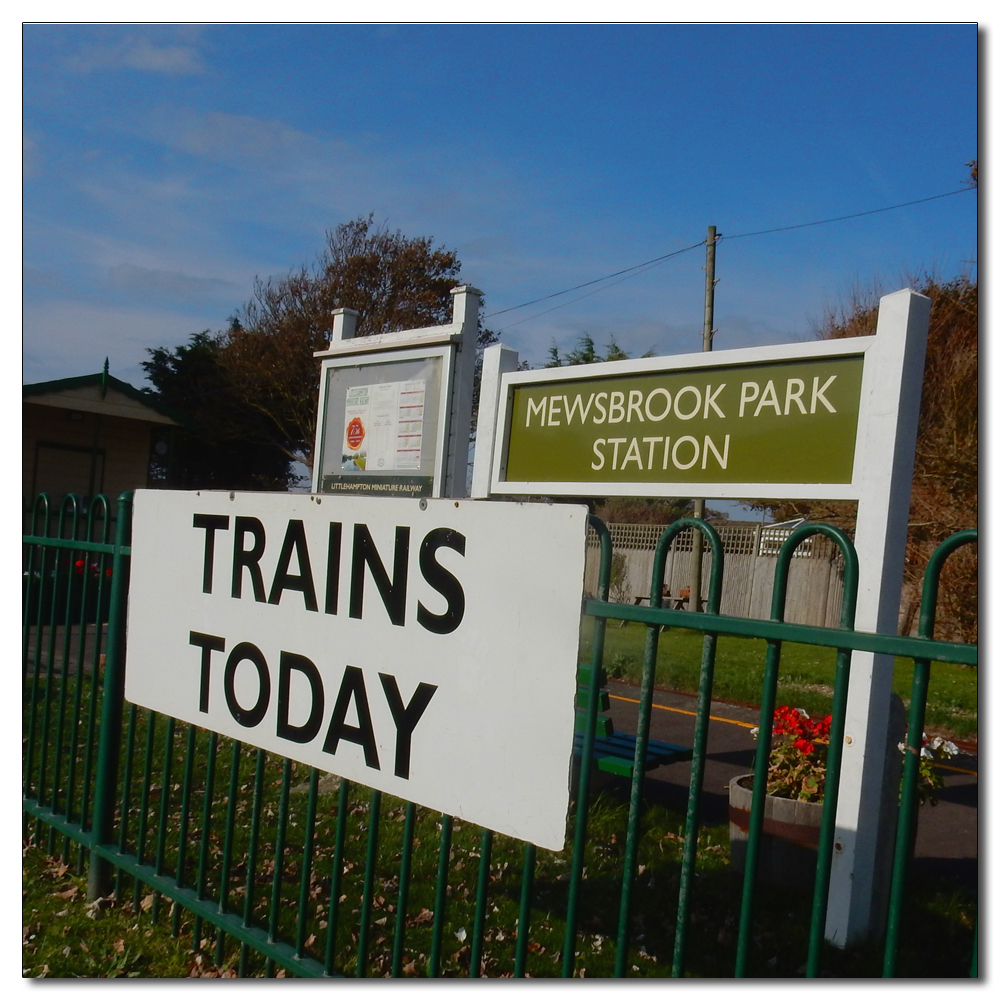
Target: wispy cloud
(137, 53)
(232, 138)
(173, 286)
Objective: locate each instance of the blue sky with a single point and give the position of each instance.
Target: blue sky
(167, 166)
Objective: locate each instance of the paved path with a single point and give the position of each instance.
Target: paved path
(947, 836)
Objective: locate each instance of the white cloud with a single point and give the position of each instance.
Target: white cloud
(174, 286)
(283, 176)
(227, 138)
(137, 53)
(90, 255)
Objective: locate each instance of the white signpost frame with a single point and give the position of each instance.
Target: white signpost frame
(450, 682)
(453, 343)
(881, 484)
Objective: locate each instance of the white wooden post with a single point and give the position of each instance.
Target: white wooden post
(497, 360)
(887, 434)
(465, 321)
(345, 323)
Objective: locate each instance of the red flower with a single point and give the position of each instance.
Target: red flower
(804, 745)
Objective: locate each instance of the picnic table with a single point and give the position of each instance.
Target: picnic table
(679, 603)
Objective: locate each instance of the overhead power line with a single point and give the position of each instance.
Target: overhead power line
(840, 218)
(607, 277)
(634, 273)
(637, 269)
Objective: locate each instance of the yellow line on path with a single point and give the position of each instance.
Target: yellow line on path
(685, 711)
(961, 770)
(751, 725)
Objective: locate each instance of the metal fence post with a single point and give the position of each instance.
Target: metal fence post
(112, 704)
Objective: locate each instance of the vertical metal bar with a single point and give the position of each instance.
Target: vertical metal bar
(366, 895)
(126, 799)
(689, 855)
(161, 831)
(756, 821)
(279, 851)
(96, 670)
(406, 856)
(909, 799)
(524, 916)
(81, 655)
(29, 760)
(206, 826)
(337, 874)
(586, 755)
(482, 891)
(147, 781)
(440, 897)
(906, 823)
(630, 856)
(41, 504)
(50, 661)
(30, 554)
(831, 788)
(70, 506)
(64, 667)
(109, 744)
(88, 738)
(60, 672)
(227, 844)
(307, 853)
(182, 830)
(255, 810)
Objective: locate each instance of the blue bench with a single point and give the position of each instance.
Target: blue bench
(614, 752)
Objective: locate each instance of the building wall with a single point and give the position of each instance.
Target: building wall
(58, 443)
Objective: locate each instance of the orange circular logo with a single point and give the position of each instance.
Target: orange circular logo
(355, 433)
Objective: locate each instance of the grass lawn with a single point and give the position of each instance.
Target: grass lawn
(131, 935)
(805, 676)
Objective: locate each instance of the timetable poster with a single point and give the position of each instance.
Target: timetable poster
(383, 426)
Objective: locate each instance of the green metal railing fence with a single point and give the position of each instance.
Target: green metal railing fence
(325, 878)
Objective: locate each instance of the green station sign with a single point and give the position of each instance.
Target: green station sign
(777, 422)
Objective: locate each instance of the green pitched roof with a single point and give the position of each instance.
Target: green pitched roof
(103, 379)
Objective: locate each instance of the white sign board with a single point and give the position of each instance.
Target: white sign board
(426, 648)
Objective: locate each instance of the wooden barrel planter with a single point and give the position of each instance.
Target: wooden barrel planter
(790, 835)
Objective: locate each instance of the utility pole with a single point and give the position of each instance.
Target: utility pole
(694, 601)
